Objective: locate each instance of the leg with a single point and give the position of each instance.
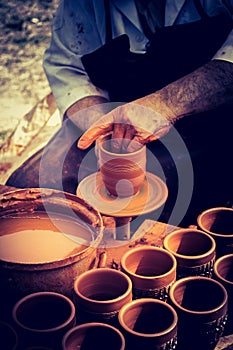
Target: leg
(57, 165)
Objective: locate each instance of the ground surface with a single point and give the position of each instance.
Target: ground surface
(25, 27)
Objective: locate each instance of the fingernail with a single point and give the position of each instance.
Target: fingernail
(81, 144)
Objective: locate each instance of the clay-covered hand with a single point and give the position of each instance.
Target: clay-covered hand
(132, 126)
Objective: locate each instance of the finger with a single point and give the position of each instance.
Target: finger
(92, 134)
(142, 137)
(129, 135)
(139, 140)
(117, 137)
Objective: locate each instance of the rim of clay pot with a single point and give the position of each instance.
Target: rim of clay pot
(31, 200)
(138, 302)
(162, 277)
(104, 138)
(32, 296)
(98, 304)
(213, 210)
(218, 263)
(190, 279)
(192, 258)
(88, 325)
(13, 333)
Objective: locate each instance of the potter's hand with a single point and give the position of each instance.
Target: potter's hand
(132, 124)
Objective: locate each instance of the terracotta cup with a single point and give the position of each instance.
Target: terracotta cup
(218, 222)
(43, 318)
(194, 251)
(93, 335)
(223, 272)
(149, 324)
(122, 173)
(152, 271)
(100, 293)
(8, 336)
(201, 304)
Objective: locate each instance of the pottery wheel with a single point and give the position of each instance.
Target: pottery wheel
(151, 196)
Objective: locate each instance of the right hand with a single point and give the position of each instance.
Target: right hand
(132, 126)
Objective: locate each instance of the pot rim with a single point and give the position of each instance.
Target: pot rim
(210, 252)
(193, 312)
(12, 200)
(105, 138)
(213, 210)
(151, 248)
(216, 265)
(92, 325)
(133, 303)
(69, 320)
(107, 270)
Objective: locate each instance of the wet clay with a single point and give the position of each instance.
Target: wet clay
(40, 239)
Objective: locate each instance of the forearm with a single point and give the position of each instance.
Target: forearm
(204, 89)
(85, 103)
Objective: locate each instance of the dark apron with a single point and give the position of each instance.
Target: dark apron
(173, 52)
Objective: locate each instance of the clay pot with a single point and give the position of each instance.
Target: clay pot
(8, 336)
(148, 324)
(201, 306)
(152, 271)
(194, 251)
(223, 272)
(43, 318)
(45, 213)
(218, 222)
(100, 293)
(122, 173)
(93, 336)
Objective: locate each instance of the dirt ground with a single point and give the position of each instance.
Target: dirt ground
(25, 27)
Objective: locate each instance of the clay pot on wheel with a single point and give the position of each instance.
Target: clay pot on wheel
(123, 173)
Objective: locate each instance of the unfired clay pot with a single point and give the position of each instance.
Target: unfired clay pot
(123, 173)
(223, 272)
(100, 293)
(201, 304)
(93, 335)
(218, 222)
(152, 271)
(149, 324)
(43, 318)
(194, 251)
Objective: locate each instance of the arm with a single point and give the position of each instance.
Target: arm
(204, 89)
(86, 111)
(151, 116)
(75, 32)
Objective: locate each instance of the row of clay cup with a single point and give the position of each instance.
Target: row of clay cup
(146, 322)
(151, 307)
(192, 312)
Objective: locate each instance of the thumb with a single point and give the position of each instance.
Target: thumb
(93, 133)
